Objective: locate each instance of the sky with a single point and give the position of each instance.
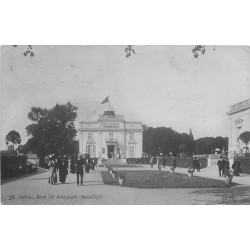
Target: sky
(158, 85)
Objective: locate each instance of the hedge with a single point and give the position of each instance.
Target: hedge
(138, 160)
(182, 162)
(185, 162)
(245, 164)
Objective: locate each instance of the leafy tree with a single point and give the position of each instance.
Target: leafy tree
(182, 148)
(13, 137)
(164, 140)
(207, 145)
(129, 50)
(192, 142)
(198, 49)
(28, 51)
(245, 138)
(52, 130)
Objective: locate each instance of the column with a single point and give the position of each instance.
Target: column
(81, 142)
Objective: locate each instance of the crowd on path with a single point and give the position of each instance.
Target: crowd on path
(224, 167)
(76, 164)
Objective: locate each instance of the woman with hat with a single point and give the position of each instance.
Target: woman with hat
(52, 170)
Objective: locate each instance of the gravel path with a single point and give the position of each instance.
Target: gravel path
(35, 189)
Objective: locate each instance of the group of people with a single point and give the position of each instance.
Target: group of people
(75, 164)
(224, 167)
(196, 164)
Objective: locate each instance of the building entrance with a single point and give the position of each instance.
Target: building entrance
(110, 151)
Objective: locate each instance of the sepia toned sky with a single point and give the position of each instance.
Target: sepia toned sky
(159, 85)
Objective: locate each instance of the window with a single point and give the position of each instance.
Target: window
(132, 151)
(90, 135)
(111, 136)
(131, 136)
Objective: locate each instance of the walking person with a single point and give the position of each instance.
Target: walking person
(239, 166)
(164, 162)
(220, 164)
(226, 167)
(174, 163)
(79, 165)
(73, 163)
(198, 165)
(52, 170)
(194, 163)
(151, 161)
(236, 167)
(63, 169)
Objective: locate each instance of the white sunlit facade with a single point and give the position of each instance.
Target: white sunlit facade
(239, 117)
(111, 137)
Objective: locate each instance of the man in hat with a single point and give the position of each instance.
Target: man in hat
(220, 164)
(80, 164)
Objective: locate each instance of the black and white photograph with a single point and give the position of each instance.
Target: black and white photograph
(125, 125)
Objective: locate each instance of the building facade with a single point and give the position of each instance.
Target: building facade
(239, 117)
(111, 137)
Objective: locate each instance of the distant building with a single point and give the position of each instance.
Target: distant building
(111, 137)
(239, 117)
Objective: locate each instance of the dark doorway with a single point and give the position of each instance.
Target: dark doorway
(111, 149)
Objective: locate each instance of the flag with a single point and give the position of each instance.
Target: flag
(105, 100)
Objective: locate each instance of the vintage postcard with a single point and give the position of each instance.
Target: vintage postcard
(125, 125)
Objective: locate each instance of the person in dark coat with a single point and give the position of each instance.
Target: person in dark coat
(63, 168)
(174, 162)
(198, 165)
(194, 163)
(72, 163)
(164, 162)
(236, 167)
(220, 164)
(226, 167)
(79, 166)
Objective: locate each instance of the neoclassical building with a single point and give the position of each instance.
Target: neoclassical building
(239, 117)
(111, 137)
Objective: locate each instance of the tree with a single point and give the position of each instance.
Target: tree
(207, 145)
(245, 138)
(192, 142)
(28, 51)
(183, 149)
(197, 50)
(13, 137)
(164, 140)
(52, 130)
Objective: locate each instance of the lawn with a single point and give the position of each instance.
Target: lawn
(164, 179)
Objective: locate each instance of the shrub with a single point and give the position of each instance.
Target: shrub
(185, 162)
(137, 161)
(245, 164)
